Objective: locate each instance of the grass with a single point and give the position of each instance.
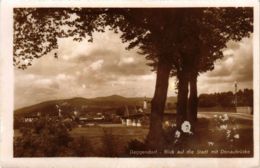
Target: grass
(208, 131)
(117, 137)
(122, 135)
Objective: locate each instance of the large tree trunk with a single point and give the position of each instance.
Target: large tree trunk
(193, 98)
(182, 98)
(155, 136)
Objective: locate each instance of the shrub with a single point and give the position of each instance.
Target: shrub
(46, 138)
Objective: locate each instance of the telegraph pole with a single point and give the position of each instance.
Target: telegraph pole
(235, 95)
(145, 104)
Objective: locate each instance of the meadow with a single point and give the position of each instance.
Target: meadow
(208, 135)
(217, 132)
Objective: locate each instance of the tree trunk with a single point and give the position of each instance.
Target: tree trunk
(193, 98)
(182, 98)
(155, 136)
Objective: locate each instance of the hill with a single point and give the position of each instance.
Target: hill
(86, 105)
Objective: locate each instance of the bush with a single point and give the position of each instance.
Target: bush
(47, 138)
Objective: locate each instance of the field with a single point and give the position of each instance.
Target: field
(121, 135)
(207, 136)
(206, 133)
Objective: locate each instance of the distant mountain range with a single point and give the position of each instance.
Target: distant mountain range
(92, 104)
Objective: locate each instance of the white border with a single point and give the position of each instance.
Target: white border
(7, 80)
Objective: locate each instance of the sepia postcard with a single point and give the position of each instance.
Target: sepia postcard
(129, 84)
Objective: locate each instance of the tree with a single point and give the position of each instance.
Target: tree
(211, 29)
(47, 140)
(190, 40)
(177, 41)
(226, 99)
(201, 35)
(154, 32)
(37, 30)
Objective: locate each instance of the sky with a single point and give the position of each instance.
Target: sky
(105, 67)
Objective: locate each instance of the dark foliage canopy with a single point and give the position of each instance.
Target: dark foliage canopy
(174, 34)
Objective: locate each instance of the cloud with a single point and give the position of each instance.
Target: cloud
(97, 65)
(237, 65)
(105, 67)
(237, 61)
(85, 69)
(43, 82)
(126, 60)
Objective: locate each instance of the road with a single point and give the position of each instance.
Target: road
(234, 115)
(202, 114)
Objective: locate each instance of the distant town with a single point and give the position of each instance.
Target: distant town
(123, 111)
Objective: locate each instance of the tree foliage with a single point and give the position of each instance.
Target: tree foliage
(226, 99)
(177, 41)
(37, 30)
(175, 32)
(50, 137)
